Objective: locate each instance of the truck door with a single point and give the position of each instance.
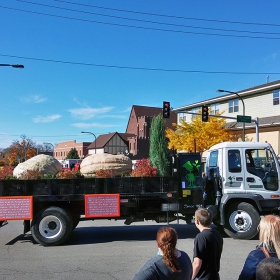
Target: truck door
(261, 172)
(234, 171)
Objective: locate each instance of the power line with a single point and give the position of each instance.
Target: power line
(153, 22)
(142, 27)
(58, 136)
(141, 68)
(169, 16)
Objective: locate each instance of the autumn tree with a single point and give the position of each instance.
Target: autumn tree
(158, 146)
(3, 157)
(72, 154)
(21, 150)
(199, 136)
(45, 148)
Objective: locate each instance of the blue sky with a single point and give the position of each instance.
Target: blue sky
(87, 62)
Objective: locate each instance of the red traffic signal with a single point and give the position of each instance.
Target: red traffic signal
(166, 109)
(204, 113)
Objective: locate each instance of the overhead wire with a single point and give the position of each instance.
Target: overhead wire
(168, 16)
(150, 21)
(141, 27)
(141, 68)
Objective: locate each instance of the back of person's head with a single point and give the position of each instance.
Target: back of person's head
(166, 241)
(269, 228)
(268, 269)
(203, 216)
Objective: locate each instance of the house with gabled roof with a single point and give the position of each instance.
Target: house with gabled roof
(111, 143)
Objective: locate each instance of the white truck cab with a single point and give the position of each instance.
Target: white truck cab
(243, 183)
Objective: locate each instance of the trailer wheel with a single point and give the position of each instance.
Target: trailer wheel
(52, 226)
(242, 220)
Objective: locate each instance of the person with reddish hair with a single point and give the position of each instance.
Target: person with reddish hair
(170, 263)
(269, 228)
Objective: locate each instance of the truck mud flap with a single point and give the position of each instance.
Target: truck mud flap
(26, 226)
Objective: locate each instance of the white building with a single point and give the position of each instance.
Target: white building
(261, 103)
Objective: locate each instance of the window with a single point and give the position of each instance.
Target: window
(213, 159)
(276, 97)
(182, 116)
(214, 109)
(195, 110)
(233, 106)
(234, 162)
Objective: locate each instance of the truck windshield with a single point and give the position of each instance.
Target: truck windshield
(261, 163)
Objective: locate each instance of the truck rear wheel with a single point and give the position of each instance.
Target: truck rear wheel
(242, 220)
(52, 226)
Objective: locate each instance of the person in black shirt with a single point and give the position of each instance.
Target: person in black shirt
(208, 247)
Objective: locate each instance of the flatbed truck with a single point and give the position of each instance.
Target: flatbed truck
(241, 185)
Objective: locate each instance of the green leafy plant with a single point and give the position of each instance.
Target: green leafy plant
(10, 177)
(158, 153)
(48, 176)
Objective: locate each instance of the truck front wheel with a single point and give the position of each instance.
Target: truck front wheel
(242, 220)
(52, 226)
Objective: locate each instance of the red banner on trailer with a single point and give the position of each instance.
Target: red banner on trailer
(102, 205)
(16, 208)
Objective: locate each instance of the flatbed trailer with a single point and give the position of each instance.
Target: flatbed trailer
(52, 208)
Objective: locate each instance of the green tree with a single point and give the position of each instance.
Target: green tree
(73, 154)
(158, 146)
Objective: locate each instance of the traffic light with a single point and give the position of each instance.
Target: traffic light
(166, 109)
(204, 113)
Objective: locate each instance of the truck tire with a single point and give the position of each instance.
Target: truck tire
(242, 220)
(52, 226)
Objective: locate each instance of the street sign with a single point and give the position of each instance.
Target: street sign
(245, 119)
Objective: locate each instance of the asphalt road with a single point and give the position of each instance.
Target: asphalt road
(102, 250)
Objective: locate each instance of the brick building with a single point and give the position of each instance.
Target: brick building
(63, 148)
(139, 125)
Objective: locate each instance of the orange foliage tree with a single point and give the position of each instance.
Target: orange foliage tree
(22, 150)
(199, 136)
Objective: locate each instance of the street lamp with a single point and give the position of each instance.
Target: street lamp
(13, 65)
(46, 143)
(243, 127)
(94, 138)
